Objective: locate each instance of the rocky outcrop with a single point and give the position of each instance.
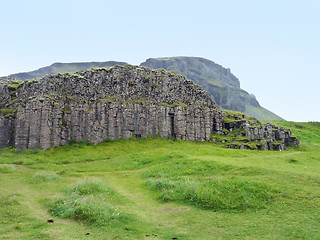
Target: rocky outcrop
(107, 103)
(243, 132)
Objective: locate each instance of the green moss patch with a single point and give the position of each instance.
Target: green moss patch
(7, 111)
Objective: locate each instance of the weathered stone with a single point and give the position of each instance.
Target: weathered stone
(266, 136)
(6, 131)
(121, 102)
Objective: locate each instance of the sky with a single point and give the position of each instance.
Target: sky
(272, 46)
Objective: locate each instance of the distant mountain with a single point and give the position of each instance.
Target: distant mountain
(218, 81)
(63, 68)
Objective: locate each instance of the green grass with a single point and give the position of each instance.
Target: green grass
(44, 178)
(260, 113)
(15, 221)
(88, 210)
(6, 112)
(162, 189)
(7, 168)
(227, 194)
(87, 201)
(90, 187)
(308, 133)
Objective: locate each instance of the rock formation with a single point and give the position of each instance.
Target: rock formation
(243, 132)
(110, 103)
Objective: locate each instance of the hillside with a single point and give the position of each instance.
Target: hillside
(63, 68)
(162, 189)
(218, 81)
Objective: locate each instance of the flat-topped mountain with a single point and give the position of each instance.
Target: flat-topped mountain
(123, 102)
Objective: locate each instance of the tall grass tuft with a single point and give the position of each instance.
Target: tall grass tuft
(87, 201)
(44, 178)
(90, 187)
(7, 168)
(88, 209)
(226, 194)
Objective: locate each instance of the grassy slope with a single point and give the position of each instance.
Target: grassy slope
(153, 182)
(261, 113)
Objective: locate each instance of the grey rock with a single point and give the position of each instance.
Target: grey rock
(114, 103)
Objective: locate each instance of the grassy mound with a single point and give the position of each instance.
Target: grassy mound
(90, 210)
(208, 185)
(232, 194)
(87, 201)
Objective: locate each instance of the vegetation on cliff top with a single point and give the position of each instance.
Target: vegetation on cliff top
(146, 83)
(63, 68)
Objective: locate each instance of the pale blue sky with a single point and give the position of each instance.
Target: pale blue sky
(273, 47)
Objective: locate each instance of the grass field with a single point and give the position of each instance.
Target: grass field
(162, 189)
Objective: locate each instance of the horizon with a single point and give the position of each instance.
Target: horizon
(270, 46)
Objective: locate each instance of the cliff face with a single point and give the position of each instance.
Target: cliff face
(120, 102)
(219, 82)
(194, 68)
(94, 105)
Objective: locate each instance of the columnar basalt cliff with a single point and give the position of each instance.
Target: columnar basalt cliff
(109, 103)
